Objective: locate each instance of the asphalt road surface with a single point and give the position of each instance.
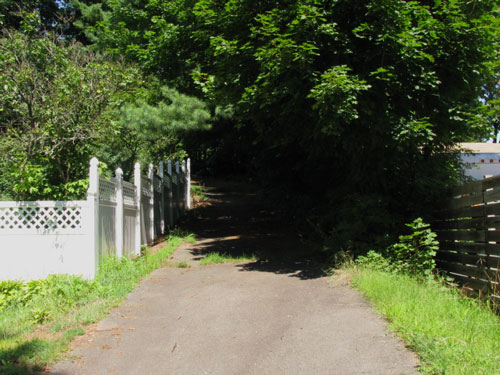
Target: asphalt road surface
(277, 315)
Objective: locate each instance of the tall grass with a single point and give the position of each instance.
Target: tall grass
(453, 335)
(38, 319)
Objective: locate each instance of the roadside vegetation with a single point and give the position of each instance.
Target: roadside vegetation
(198, 193)
(38, 319)
(220, 257)
(452, 334)
(181, 264)
(349, 111)
(317, 89)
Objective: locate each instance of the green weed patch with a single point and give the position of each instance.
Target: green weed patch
(453, 335)
(218, 258)
(198, 193)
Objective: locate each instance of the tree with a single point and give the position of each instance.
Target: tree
(491, 108)
(155, 34)
(158, 127)
(11, 12)
(55, 98)
(61, 103)
(367, 97)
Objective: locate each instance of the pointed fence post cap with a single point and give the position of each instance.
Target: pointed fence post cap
(93, 189)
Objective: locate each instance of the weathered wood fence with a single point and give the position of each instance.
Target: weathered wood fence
(468, 229)
(39, 238)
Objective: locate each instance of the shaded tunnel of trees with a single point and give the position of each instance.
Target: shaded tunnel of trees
(347, 111)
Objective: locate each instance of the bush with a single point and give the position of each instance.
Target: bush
(375, 261)
(413, 254)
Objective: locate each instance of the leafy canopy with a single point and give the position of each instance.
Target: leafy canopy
(362, 101)
(367, 97)
(62, 103)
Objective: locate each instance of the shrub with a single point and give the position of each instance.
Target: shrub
(414, 253)
(374, 260)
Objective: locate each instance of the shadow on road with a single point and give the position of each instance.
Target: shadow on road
(240, 220)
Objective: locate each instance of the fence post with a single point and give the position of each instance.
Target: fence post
(151, 202)
(138, 194)
(93, 201)
(184, 183)
(177, 192)
(162, 198)
(119, 213)
(171, 221)
(188, 184)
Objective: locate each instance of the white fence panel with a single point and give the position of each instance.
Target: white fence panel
(158, 207)
(107, 235)
(48, 237)
(146, 208)
(175, 196)
(167, 200)
(107, 217)
(129, 231)
(129, 218)
(42, 238)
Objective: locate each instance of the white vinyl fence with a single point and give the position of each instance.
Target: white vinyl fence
(48, 237)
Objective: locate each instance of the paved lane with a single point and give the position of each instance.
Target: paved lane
(275, 316)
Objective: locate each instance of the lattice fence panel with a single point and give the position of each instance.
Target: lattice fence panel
(36, 218)
(129, 197)
(146, 187)
(157, 182)
(167, 181)
(107, 190)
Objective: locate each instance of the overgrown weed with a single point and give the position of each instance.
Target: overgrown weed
(452, 334)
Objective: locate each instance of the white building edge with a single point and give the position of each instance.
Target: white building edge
(482, 159)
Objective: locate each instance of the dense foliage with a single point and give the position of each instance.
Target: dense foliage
(353, 107)
(414, 253)
(53, 100)
(61, 104)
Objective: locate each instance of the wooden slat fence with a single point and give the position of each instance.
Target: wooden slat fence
(468, 229)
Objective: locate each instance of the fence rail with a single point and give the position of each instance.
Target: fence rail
(46, 237)
(468, 230)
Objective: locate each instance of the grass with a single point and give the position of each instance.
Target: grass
(181, 264)
(40, 318)
(218, 258)
(452, 335)
(198, 192)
